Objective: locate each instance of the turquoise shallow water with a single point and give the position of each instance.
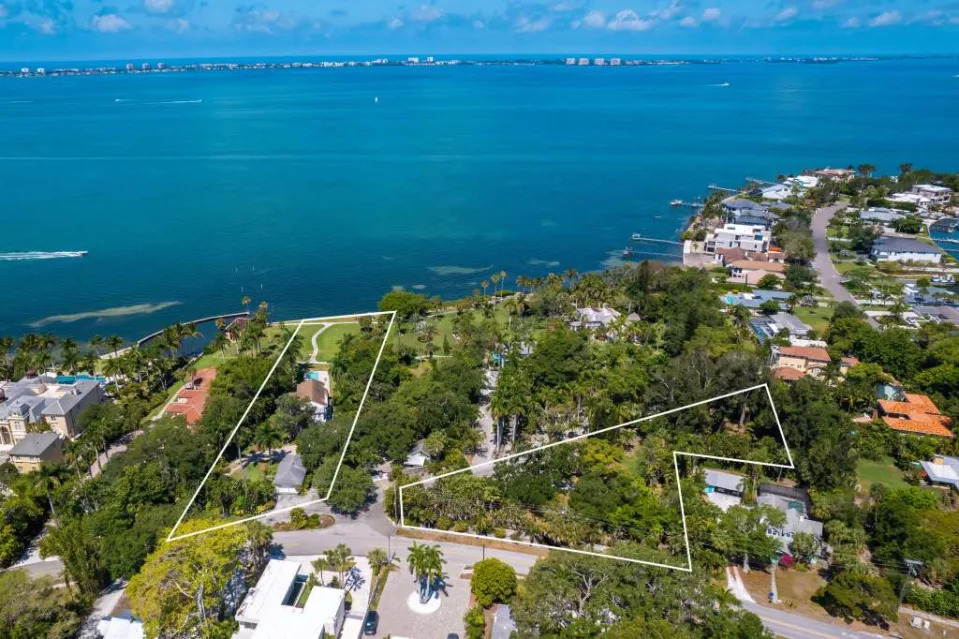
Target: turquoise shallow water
(301, 188)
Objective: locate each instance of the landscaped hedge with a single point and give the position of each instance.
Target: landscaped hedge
(939, 602)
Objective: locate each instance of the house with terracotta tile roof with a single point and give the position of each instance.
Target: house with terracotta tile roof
(190, 401)
(916, 414)
(787, 373)
(805, 359)
(752, 271)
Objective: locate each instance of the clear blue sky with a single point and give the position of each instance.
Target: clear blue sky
(121, 29)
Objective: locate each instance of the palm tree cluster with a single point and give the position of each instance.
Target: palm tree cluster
(426, 565)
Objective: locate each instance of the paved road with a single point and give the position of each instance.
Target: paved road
(790, 626)
(361, 538)
(829, 277)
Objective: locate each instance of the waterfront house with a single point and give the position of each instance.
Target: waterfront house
(282, 605)
(752, 272)
(942, 469)
(42, 398)
(190, 401)
(724, 489)
(34, 449)
(745, 236)
(726, 256)
(290, 473)
(904, 249)
(841, 175)
(913, 413)
(937, 195)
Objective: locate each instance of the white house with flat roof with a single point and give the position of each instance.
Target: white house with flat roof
(724, 489)
(935, 194)
(744, 236)
(282, 606)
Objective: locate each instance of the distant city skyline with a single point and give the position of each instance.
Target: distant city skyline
(97, 29)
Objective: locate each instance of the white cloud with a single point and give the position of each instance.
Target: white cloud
(529, 25)
(819, 5)
(109, 23)
(564, 6)
(788, 13)
(425, 13)
(47, 26)
(159, 6)
(479, 24)
(179, 25)
(667, 13)
(628, 20)
(594, 20)
(4, 12)
(885, 19)
(851, 23)
(711, 14)
(688, 21)
(933, 17)
(395, 24)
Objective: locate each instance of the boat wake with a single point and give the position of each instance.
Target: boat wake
(132, 101)
(39, 255)
(721, 84)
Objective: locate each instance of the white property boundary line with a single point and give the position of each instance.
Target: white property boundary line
(236, 428)
(682, 510)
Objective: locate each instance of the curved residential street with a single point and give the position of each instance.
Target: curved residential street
(829, 277)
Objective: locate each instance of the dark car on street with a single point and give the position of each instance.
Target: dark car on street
(371, 622)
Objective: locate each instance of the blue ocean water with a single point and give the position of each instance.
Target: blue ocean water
(320, 190)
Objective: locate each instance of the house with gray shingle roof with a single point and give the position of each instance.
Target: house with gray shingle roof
(34, 449)
(36, 399)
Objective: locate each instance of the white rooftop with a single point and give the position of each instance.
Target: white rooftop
(268, 605)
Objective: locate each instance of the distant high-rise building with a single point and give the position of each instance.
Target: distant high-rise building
(570, 61)
(161, 66)
(429, 60)
(584, 62)
(413, 60)
(615, 62)
(145, 66)
(130, 66)
(599, 62)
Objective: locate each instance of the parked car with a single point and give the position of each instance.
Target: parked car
(371, 622)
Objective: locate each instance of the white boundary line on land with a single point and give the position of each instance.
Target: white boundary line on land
(236, 428)
(689, 559)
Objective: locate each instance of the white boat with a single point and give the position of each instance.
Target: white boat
(637, 236)
(675, 202)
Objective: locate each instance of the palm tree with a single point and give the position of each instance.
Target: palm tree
(219, 343)
(865, 170)
(267, 436)
(70, 361)
(43, 360)
(485, 285)
(319, 565)
(495, 279)
(114, 342)
(246, 302)
(340, 560)
(426, 565)
(113, 367)
(905, 167)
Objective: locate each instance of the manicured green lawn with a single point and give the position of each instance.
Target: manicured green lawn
(443, 325)
(816, 316)
(328, 342)
(872, 472)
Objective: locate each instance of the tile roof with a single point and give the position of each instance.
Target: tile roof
(921, 424)
(916, 414)
(812, 353)
(850, 361)
(788, 373)
(756, 265)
